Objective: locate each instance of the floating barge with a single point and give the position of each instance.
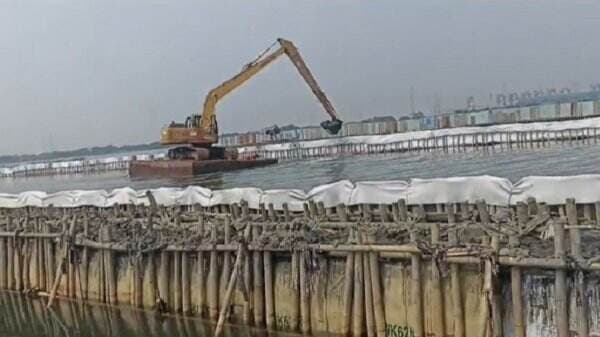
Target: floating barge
(149, 168)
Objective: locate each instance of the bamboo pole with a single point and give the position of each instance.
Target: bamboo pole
(348, 277)
(247, 279)
(186, 290)
(227, 297)
(516, 282)
(85, 256)
(304, 296)
(64, 254)
(491, 302)
(226, 273)
(437, 300)
(561, 304)
(138, 282)
(295, 286)
(163, 279)
(259, 283)
(359, 307)
(416, 299)
(109, 263)
(10, 253)
(269, 291)
(370, 324)
(18, 263)
(3, 265)
(457, 306)
(213, 279)
(378, 310)
(581, 302)
(177, 282)
(200, 267)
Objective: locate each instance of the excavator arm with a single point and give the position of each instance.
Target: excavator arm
(203, 130)
(251, 69)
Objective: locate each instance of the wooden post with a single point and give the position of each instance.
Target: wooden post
(295, 304)
(359, 307)
(259, 283)
(111, 272)
(376, 290)
(597, 211)
(348, 277)
(269, 291)
(10, 257)
(437, 300)
(177, 280)
(489, 282)
(416, 299)
(213, 278)
(247, 309)
(3, 265)
(163, 278)
(515, 275)
(200, 267)
(581, 302)
(304, 296)
(370, 324)
(561, 305)
(457, 307)
(226, 271)
(85, 257)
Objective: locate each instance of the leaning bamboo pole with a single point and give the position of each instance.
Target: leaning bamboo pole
(231, 284)
(64, 255)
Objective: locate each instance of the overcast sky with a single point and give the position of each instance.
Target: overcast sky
(83, 73)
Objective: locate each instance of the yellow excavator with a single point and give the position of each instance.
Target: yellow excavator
(198, 133)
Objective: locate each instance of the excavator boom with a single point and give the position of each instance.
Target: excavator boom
(202, 131)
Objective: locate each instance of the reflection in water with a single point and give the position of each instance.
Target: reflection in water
(22, 316)
(562, 159)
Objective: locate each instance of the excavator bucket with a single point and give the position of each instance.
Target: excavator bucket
(332, 126)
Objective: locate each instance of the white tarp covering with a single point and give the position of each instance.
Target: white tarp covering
(378, 192)
(554, 190)
(494, 190)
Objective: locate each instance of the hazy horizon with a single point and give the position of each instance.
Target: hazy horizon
(78, 74)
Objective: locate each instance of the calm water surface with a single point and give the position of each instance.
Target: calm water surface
(21, 316)
(512, 164)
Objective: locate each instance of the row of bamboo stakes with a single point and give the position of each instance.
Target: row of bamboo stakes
(445, 143)
(252, 269)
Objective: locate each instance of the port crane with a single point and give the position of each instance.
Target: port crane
(196, 136)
